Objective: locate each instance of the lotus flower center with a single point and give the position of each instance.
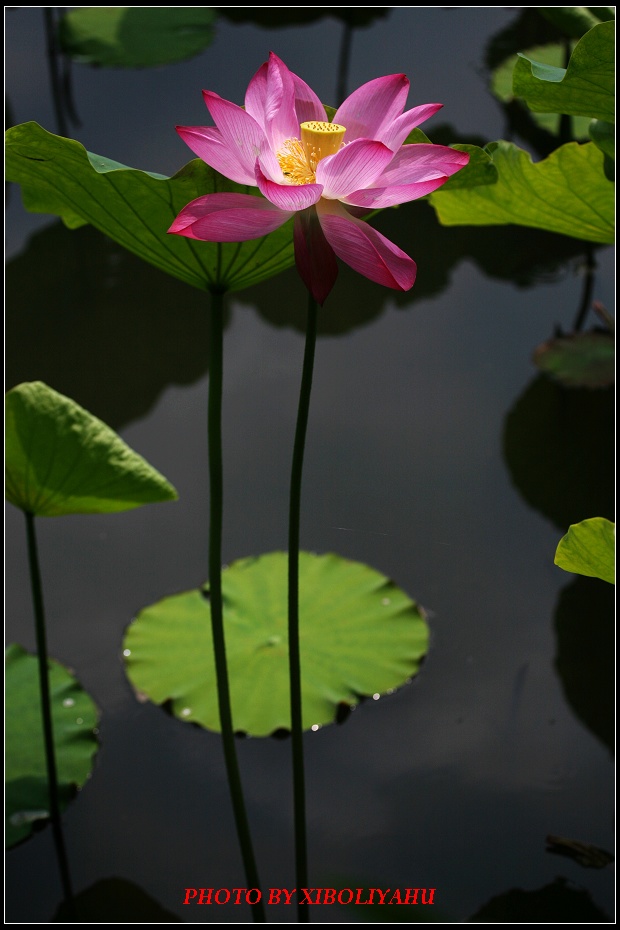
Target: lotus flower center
(298, 158)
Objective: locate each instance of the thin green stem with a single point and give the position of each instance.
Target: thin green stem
(46, 713)
(299, 800)
(588, 288)
(215, 597)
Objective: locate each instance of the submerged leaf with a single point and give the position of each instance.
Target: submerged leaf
(579, 359)
(589, 548)
(60, 459)
(359, 635)
(136, 208)
(135, 37)
(565, 193)
(74, 717)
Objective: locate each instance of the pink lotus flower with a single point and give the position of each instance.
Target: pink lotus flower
(325, 174)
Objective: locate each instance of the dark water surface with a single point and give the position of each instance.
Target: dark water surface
(436, 454)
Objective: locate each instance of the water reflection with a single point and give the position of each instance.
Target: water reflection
(100, 325)
(558, 902)
(115, 900)
(585, 654)
(507, 253)
(559, 448)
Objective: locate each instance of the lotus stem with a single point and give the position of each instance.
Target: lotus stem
(215, 597)
(299, 802)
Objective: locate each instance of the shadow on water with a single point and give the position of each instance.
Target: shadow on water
(585, 654)
(559, 449)
(129, 330)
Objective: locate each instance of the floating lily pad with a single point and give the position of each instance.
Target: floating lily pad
(74, 718)
(589, 548)
(135, 37)
(136, 208)
(359, 635)
(60, 459)
(579, 359)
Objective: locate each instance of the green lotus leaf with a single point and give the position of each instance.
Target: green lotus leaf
(603, 135)
(589, 549)
(60, 459)
(136, 208)
(551, 54)
(74, 717)
(135, 37)
(579, 359)
(585, 88)
(565, 193)
(359, 635)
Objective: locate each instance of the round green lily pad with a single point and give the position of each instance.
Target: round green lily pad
(74, 716)
(359, 635)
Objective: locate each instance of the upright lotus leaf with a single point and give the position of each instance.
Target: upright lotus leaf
(552, 54)
(136, 208)
(565, 193)
(585, 88)
(359, 635)
(603, 135)
(60, 459)
(589, 548)
(135, 37)
(74, 717)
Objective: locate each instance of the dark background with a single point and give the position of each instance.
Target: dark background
(436, 454)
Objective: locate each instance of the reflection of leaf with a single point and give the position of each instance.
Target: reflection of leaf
(589, 549)
(135, 37)
(74, 718)
(508, 253)
(136, 208)
(115, 901)
(359, 633)
(579, 359)
(79, 295)
(555, 903)
(276, 17)
(559, 446)
(587, 855)
(60, 459)
(529, 29)
(576, 20)
(585, 654)
(585, 88)
(566, 193)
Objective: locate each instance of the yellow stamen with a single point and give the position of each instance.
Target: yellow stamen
(299, 158)
(293, 162)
